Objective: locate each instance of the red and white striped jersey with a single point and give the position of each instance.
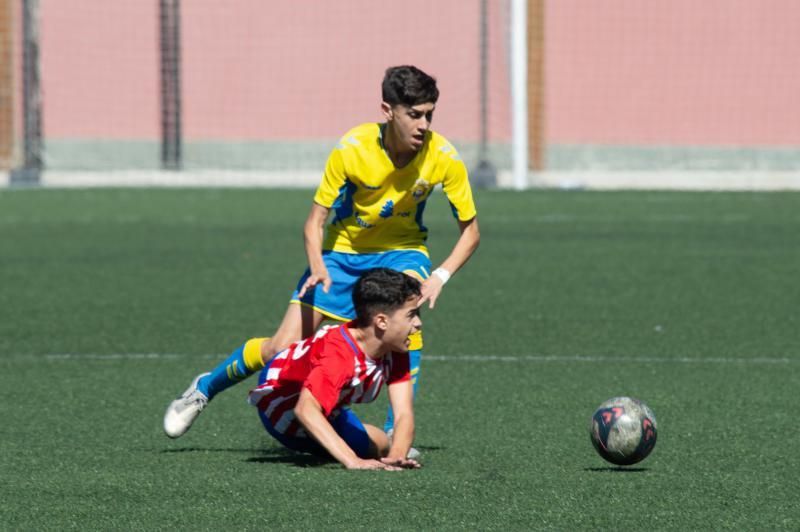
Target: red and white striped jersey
(334, 369)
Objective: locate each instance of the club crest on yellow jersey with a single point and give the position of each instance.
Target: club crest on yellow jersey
(420, 190)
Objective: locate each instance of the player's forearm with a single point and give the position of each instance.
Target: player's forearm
(322, 431)
(313, 246)
(465, 246)
(402, 436)
(313, 233)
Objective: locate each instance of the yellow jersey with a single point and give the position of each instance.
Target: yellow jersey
(377, 207)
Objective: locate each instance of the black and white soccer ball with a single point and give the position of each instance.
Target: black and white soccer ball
(623, 430)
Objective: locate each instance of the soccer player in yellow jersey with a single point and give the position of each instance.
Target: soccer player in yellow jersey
(376, 184)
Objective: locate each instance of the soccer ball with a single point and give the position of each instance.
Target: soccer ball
(623, 430)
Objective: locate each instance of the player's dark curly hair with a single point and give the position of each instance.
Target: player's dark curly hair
(382, 290)
(408, 85)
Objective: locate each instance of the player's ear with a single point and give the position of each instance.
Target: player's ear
(381, 321)
(387, 111)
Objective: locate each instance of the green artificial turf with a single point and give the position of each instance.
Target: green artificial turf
(112, 300)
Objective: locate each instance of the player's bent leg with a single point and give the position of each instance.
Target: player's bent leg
(183, 411)
(365, 440)
(379, 441)
(368, 441)
(300, 321)
(301, 445)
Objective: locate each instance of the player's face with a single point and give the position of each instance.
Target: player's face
(410, 123)
(402, 323)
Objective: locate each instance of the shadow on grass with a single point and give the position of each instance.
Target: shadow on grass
(292, 458)
(286, 456)
(277, 455)
(210, 450)
(264, 456)
(430, 447)
(617, 469)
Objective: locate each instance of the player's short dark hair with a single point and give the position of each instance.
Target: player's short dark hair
(382, 290)
(408, 85)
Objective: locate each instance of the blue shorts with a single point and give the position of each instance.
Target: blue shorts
(344, 422)
(346, 268)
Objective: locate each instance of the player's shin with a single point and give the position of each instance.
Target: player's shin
(242, 363)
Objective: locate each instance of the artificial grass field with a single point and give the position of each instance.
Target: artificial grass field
(112, 300)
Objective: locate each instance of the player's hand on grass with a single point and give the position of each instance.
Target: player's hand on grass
(370, 464)
(402, 463)
(431, 288)
(316, 277)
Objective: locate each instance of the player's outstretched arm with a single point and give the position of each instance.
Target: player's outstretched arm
(465, 246)
(313, 232)
(309, 412)
(401, 397)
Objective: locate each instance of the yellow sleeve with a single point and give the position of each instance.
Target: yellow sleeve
(332, 180)
(457, 189)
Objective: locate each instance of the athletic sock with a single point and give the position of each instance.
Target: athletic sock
(242, 363)
(414, 357)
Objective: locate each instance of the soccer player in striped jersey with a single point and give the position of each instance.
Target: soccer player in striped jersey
(304, 391)
(375, 187)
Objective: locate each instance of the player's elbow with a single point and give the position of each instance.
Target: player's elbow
(315, 222)
(300, 413)
(304, 408)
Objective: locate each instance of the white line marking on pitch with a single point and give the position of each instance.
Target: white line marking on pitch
(456, 358)
(115, 356)
(580, 358)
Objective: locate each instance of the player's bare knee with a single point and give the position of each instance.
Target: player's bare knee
(266, 350)
(379, 443)
(272, 346)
